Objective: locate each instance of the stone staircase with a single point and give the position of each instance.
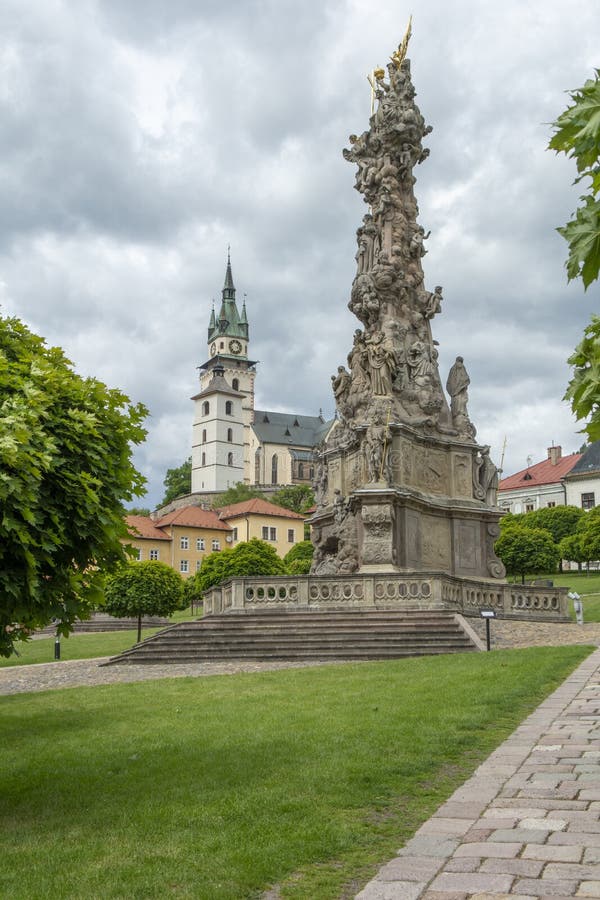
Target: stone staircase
(276, 636)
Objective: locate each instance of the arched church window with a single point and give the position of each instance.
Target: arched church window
(300, 470)
(274, 469)
(235, 384)
(205, 408)
(230, 459)
(230, 435)
(228, 408)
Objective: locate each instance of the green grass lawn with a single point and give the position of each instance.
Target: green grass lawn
(219, 787)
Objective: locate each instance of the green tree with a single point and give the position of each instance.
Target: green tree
(577, 134)
(177, 481)
(297, 497)
(143, 589)
(252, 557)
(137, 511)
(589, 534)
(236, 494)
(65, 472)
(298, 560)
(524, 550)
(560, 521)
(572, 548)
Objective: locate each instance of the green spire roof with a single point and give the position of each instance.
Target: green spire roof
(228, 323)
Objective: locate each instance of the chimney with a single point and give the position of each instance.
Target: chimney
(554, 454)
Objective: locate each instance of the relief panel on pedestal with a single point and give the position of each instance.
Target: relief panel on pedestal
(435, 542)
(378, 535)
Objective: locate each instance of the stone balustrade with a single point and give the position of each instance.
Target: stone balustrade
(387, 591)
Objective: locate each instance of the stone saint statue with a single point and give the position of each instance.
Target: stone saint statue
(382, 366)
(456, 385)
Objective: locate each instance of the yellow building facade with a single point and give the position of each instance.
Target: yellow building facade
(182, 538)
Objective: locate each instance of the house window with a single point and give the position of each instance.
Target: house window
(184, 543)
(274, 469)
(154, 554)
(184, 566)
(291, 535)
(551, 504)
(199, 543)
(204, 435)
(234, 533)
(216, 544)
(235, 384)
(269, 534)
(198, 564)
(137, 553)
(205, 408)
(230, 459)
(529, 507)
(228, 408)
(265, 533)
(230, 435)
(588, 501)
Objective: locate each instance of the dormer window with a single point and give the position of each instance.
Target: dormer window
(527, 477)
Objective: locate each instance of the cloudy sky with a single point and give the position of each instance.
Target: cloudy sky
(138, 138)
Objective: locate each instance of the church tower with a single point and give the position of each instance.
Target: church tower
(224, 407)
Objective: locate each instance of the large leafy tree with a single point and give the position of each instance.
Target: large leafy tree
(238, 493)
(577, 134)
(65, 471)
(560, 521)
(139, 589)
(297, 497)
(524, 550)
(298, 560)
(253, 557)
(177, 481)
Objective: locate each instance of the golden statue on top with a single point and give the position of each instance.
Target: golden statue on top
(399, 55)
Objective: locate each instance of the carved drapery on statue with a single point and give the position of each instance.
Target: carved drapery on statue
(396, 431)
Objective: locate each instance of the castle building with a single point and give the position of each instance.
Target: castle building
(232, 441)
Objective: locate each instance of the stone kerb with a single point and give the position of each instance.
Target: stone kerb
(418, 591)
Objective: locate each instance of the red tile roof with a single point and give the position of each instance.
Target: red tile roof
(193, 517)
(144, 527)
(541, 473)
(258, 506)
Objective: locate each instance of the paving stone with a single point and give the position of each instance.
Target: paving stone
(442, 825)
(574, 838)
(589, 889)
(526, 868)
(551, 853)
(378, 890)
(526, 835)
(544, 887)
(428, 845)
(470, 882)
(463, 864)
(547, 824)
(443, 895)
(548, 804)
(586, 825)
(462, 810)
(488, 849)
(591, 855)
(567, 871)
(410, 868)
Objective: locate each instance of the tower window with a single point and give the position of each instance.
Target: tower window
(203, 459)
(228, 408)
(235, 384)
(230, 435)
(205, 408)
(204, 435)
(230, 459)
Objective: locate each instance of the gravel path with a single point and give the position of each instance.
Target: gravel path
(80, 672)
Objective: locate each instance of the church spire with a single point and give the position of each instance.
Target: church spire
(228, 287)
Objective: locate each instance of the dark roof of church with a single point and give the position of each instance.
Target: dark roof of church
(289, 428)
(218, 385)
